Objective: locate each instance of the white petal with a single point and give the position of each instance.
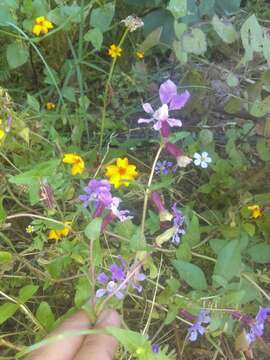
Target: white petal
(197, 162)
(100, 293)
(205, 154)
(204, 164)
(158, 125)
(197, 156)
(162, 113)
(148, 108)
(208, 159)
(174, 122)
(142, 120)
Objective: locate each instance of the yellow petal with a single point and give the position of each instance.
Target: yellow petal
(37, 29)
(40, 19)
(123, 163)
(111, 170)
(69, 158)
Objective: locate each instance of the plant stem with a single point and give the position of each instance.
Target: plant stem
(106, 93)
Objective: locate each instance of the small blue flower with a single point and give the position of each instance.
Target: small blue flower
(257, 329)
(155, 348)
(163, 167)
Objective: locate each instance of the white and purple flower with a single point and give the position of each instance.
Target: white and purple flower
(178, 223)
(171, 100)
(202, 160)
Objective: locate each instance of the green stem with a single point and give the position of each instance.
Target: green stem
(106, 93)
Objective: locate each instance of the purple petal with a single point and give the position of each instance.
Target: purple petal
(147, 121)
(119, 295)
(178, 101)
(174, 122)
(148, 108)
(166, 91)
(102, 278)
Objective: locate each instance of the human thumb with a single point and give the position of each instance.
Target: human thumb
(100, 346)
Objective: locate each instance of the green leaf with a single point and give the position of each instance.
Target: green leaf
(252, 37)
(173, 138)
(225, 30)
(27, 292)
(92, 232)
(227, 7)
(228, 262)
(131, 340)
(206, 137)
(178, 8)
(69, 93)
(194, 42)
(183, 252)
(260, 253)
(193, 234)
(95, 36)
(151, 39)
(83, 291)
(101, 17)
(263, 149)
(17, 55)
(160, 19)
(33, 103)
(45, 315)
(5, 257)
(6, 311)
(206, 7)
(58, 265)
(3, 213)
(191, 274)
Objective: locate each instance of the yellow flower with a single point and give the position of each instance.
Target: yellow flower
(2, 134)
(115, 51)
(76, 161)
(140, 54)
(121, 173)
(42, 26)
(29, 229)
(58, 234)
(50, 105)
(256, 211)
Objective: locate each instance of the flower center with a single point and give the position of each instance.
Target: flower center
(122, 171)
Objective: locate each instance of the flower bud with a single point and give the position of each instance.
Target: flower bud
(165, 236)
(157, 202)
(174, 150)
(183, 161)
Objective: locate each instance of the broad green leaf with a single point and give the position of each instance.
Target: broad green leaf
(6, 15)
(183, 252)
(69, 93)
(193, 234)
(101, 17)
(5, 258)
(45, 315)
(194, 42)
(228, 262)
(33, 103)
(179, 29)
(260, 253)
(92, 230)
(206, 137)
(227, 7)
(263, 149)
(73, 12)
(17, 55)
(27, 292)
(252, 37)
(160, 19)
(225, 30)
(95, 36)
(58, 265)
(178, 8)
(6, 311)
(83, 291)
(151, 39)
(191, 274)
(217, 244)
(206, 7)
(180, 54)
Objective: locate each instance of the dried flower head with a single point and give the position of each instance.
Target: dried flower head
(133, 22)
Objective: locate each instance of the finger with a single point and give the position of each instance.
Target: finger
(67, 348)
(100, 346)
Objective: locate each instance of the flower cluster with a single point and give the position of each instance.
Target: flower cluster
(197, 327)
(163, 167)
(257, 328)
(113, 283)
(42, 26)
(178, 223)
(98, 193)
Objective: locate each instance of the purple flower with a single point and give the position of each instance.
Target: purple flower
(170, 100)
(118, 273)
(178, 222)
(163, 167)
(117, 276)
(257, 329)
(197, 328)
(155, 348)
(97, 191)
